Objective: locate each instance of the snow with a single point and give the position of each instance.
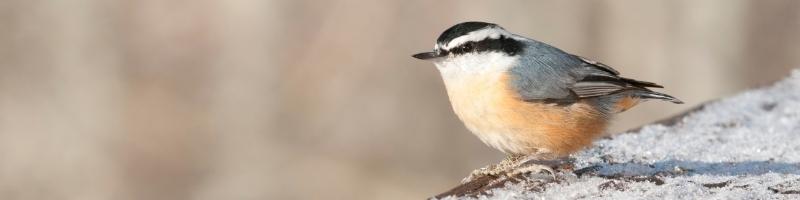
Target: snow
(742, 147)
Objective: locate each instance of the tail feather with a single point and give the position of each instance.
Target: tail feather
(644, 93)
(639, 83)
(649, 94)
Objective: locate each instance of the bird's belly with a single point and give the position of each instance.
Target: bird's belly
(493, 112)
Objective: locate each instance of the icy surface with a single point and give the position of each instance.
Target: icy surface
(742, 147)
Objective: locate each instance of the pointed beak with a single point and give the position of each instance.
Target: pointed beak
(427, 55)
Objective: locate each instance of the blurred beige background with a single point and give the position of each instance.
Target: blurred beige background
(247, 99)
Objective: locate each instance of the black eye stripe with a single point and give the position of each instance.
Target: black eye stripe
(502, 44)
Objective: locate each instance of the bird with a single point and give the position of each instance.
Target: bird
(528, 99)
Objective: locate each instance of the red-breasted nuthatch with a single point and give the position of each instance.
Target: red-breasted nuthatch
(526, 98)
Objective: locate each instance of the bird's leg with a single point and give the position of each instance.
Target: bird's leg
(510, 162)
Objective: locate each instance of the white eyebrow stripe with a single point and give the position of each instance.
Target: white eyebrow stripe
(493, 33)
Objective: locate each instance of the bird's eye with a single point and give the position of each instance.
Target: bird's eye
(466, 47)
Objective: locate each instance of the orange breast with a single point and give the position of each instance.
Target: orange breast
(495, 113)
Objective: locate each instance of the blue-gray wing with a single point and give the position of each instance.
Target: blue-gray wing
(548, 74)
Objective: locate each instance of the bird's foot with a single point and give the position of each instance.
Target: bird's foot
(536, 166)
(513, 166)
(481, 172)
(534, 169)
(498, 169)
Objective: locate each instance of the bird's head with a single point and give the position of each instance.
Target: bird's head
(473, 39)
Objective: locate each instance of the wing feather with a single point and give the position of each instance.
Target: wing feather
(551, 75)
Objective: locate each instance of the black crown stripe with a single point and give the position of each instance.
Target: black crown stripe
(503, 44)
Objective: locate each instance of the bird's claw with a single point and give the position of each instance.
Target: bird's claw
(533, 169)
(511, 167)
(484, 171)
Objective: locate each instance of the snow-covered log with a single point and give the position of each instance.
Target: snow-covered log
(741, 147)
